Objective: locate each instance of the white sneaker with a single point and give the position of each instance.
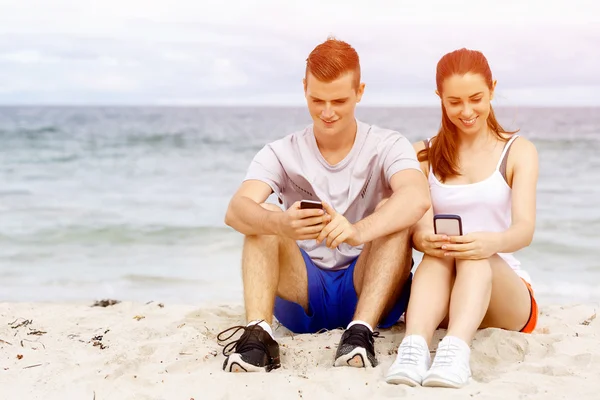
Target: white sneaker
(450, 366)
(411, 363)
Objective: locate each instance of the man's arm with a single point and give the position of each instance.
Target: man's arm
(246, 215)
(422, 231)
(407, 205)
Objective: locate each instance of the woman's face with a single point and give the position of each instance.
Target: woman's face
(466, 99)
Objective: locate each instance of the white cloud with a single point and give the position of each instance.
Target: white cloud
(224, 74)
(27, 57)
(220, 51)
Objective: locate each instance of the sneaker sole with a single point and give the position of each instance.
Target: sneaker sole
(437, 381)
(401, 380)
(356, 358)
(234, 363)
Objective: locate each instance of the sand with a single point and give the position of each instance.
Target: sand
(166, 351)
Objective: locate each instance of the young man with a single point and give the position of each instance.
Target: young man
(347, 264)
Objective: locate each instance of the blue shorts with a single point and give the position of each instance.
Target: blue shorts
(332, 301)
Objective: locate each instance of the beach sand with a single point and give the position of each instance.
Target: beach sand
(156, 351)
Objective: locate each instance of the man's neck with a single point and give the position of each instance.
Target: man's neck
(335, 148)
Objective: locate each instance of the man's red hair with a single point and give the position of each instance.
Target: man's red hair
(332, 59)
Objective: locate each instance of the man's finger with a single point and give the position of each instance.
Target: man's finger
(307, 236)
(329, 209)
(312, 230)
(340, 239)
(312, 221)
(334, 234)
(309, 213)
(328, 228)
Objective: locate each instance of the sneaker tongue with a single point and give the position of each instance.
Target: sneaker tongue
(358, 335)
(455, 341)
(415, 340)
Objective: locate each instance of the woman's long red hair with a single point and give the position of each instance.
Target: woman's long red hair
(442, 153)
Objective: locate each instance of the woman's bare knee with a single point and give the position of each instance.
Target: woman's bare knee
(446, 262)
(481, 263)
(510, 303)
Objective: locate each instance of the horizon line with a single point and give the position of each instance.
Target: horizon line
(244, 105)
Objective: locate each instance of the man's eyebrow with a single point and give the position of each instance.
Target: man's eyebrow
(340, 99)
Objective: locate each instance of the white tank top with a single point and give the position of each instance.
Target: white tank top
(483, 206)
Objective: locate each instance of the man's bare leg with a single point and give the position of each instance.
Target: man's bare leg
(379, 276)
(271, 265)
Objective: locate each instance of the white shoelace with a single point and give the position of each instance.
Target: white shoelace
(445, 355)
(410, 354)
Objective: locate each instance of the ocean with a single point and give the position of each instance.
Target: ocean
(128, 202)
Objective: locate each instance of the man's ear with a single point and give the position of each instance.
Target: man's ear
(360, 90)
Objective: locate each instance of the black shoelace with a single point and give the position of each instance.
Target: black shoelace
(248, 341)
(357, 337)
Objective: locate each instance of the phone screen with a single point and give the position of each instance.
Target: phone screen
(450, 225)
(304, 204)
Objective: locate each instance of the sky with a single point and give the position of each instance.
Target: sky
(244, 52)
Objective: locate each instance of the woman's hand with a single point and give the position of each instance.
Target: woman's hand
(472, 246)
(431, 244)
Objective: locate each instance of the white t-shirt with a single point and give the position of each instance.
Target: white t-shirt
(295, 169)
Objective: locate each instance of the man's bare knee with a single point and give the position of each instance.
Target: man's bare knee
(270, 242)
(270, 207)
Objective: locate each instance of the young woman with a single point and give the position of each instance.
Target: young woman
(488, 177)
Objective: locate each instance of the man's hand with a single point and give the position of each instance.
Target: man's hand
(298, 224)
(472, 246)
(338, 230)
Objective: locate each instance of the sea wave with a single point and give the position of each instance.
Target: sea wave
(117, 235)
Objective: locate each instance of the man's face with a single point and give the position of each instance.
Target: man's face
(331, 104)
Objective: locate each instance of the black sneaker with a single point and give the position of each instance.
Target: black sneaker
(356, 346)
(254, 351)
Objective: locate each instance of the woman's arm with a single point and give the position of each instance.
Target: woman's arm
(424, 227)
(524, 160)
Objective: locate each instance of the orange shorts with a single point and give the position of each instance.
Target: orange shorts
(533, 315)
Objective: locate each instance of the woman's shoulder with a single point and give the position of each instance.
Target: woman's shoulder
(422, 144)
(522, 145)
(419, 146)
(523, 154)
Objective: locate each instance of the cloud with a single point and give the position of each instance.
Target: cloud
(226, 52)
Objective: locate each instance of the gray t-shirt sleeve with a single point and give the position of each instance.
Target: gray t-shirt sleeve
(266, 167)
(401, 156)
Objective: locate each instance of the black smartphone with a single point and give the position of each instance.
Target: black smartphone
(307, 204)
(447, 224)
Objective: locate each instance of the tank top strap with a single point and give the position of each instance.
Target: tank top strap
(504, 157)
(426, 142)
